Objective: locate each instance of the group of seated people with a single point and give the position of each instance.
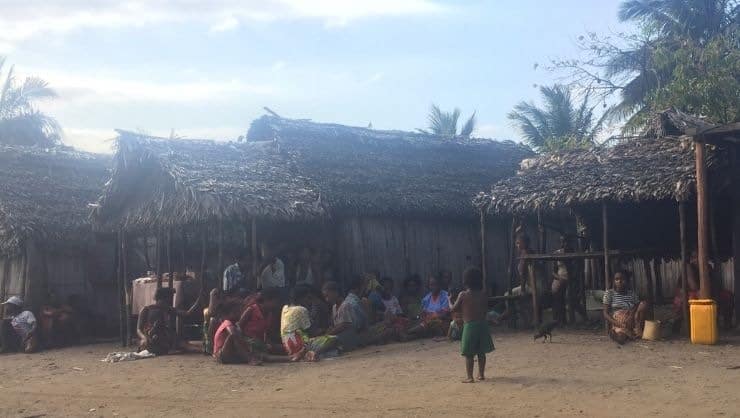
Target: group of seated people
(325, 322)
(58, 324)
(243, 326)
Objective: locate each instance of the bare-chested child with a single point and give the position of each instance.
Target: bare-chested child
(476, 338)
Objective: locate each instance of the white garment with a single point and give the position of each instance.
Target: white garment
(276, 278)
(307, 279)
(23, 323)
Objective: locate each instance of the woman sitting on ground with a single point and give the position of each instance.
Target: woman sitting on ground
(623, 311)
(435, 311)
(295, 323)
(410, 298)
(257, 320)
(156, 325)
(231, 346)
(349, 318)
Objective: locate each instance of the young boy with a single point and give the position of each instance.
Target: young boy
(476, 338)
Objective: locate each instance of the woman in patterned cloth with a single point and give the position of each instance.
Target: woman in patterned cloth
(295, 323)
(623, 311)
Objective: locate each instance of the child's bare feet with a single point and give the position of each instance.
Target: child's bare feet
(311, 356)
(299, 355)
(481, 377)
(469, 380)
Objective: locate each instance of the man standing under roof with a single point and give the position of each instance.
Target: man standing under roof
(235, 280)
(272, 272)
(18, 328)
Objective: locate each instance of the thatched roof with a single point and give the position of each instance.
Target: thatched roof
(374, 172)
(45, 194)
(655, 166)
(296, 169)
(159, 181)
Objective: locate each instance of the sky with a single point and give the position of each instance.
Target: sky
(206, 69)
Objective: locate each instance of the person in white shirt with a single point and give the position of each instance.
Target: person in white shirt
(273, 269)
(18, 328)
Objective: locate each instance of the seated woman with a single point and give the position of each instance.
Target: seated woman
(410, 298)
(231, 346)
(435, 311)
(348, 318)
(295, 323)
(18, 329)
(623, 311)
(394, 315)
(58, 323)
(156, 325)
(257, 319)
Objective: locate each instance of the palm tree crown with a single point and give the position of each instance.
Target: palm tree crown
(559, 123)
(21, 122)
(446, 123)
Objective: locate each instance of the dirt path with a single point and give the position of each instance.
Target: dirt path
(578, 374)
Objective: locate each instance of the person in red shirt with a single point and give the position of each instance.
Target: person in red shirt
(231, 346)
(258, 320)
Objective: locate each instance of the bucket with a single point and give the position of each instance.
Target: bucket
(651, 331)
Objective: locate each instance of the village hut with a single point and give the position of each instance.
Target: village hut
(47, 245)
(629, 205)
(391, 202)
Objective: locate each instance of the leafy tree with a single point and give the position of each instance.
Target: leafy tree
(637, 67)
(705, 80)
(446, 123)
(21, 123)
(560, 123)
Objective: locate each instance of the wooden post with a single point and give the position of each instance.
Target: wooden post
(736, 228)
(220, 248)
(170, 267)
(542, 236)
(483, 247)
(684, 266)
(533, 289)
(127, 300)
(203, 234)
(159, 258)
(658, 280)
(605, 222)
(183, 249)
(255, 252)
(650, 286)
(121, 294)
(705, 290)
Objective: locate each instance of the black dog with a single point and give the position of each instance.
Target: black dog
(545, 331)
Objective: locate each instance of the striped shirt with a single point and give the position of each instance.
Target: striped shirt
(617, 301)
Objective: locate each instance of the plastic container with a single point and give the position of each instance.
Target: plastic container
(651, 331)
(703, 314)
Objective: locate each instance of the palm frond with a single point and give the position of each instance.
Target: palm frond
(469, 126)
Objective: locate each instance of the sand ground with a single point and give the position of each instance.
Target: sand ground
(579, 373)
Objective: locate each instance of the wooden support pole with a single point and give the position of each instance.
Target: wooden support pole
(705, 290)
(533, 289)
(658, 280)
(170, 266)
(220, 248)
(121, 296)
(650, 286)
(183, 249)
(255, 252)
(684, 265)
(542, 234)
(203, 236)
(127, 300)
(735, 155)
(483, 247)
(605, 224)
(159, 258)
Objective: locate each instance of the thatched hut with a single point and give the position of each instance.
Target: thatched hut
(626, 199)
(46, 240)
(391, 201)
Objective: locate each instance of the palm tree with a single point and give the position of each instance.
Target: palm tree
(446, 123)
(676, 22)
(20, 122)
(697, 20)
(560, 123)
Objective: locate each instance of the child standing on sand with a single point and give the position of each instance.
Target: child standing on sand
(476, 338)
